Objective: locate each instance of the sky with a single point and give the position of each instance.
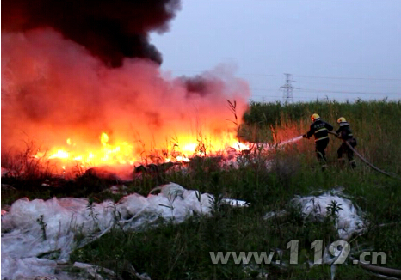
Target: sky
(337, 50)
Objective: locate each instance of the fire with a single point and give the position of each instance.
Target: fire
(60, 154)
(123, 153)
(84, 114)
(181, 158)
(104, 139)
(105, 154)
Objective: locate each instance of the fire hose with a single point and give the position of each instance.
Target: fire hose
(389, 272)
(366, 161)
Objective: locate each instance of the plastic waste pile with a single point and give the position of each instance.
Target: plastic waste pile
(37, 235)
(348, 221)
(348, 218)
(315, 208)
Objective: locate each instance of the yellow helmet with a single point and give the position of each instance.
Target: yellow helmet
(315, 116)
(341, 120)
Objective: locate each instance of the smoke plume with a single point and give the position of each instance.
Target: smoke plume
(109, 29)
(54, 89)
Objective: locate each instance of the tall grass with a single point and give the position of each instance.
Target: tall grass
(375, 124)
(24, 164)
(268, 181)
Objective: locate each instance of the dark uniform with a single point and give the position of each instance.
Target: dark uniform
(320, 130)
(345, 133)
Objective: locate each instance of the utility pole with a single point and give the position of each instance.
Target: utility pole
(287, 89)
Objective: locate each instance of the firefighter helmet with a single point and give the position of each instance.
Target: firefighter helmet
(341, 120)
(315, 116)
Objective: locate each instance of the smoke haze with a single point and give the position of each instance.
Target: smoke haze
(54, 89)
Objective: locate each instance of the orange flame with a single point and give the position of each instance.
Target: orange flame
(124, 153)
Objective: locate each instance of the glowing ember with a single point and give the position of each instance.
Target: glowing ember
(59, 154)
(241, 146)
(181, 158)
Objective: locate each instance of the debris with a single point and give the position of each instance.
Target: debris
(65, 219)
(314, 208)
(104, 173)
(234, 202)
(171, 191)
(349, 220)
(93, 270)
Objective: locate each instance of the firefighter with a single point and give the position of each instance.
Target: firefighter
(345, 133)
(319, 129)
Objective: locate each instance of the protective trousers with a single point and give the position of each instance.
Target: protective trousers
(345, 149)
(320, 146)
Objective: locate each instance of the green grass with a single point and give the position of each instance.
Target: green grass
(181, 251)
(376, 125)
(268, 182)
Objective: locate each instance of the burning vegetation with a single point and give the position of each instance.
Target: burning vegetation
(94, 95)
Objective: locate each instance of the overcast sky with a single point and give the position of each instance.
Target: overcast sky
(344, 49)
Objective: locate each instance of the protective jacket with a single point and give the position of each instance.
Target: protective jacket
(320, 129)
(344, 132)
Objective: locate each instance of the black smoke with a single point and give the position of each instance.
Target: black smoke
(109, 29)
(201, 85)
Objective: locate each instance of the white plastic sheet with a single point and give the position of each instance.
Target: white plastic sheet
(32, 229)
(349, 220)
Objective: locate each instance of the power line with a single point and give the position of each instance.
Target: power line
(348, 83)
(288, 89)
(264, 89)
(349, 78)
(344, 92)
(328, 91)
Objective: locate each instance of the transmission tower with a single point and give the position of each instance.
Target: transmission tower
(287, 89)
